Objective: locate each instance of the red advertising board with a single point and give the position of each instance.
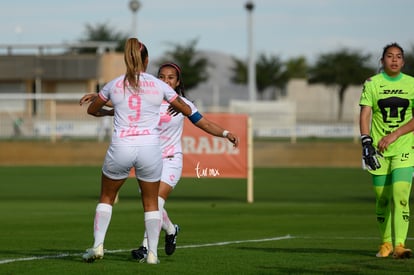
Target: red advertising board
(209, 156)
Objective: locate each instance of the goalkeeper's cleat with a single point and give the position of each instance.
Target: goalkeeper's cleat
(93, 253)
(400, 252)
(384, 250)
(140, 254)
(152, 259)
(171, 241)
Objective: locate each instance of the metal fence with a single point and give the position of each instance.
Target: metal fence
(59, 116)
(47, 116)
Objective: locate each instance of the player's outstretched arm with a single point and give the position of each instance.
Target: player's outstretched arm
(96, 108)
(181, 106)
(88, 98)
(214, 129)
(203, 123)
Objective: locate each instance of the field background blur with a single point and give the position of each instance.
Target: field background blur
(266, 153)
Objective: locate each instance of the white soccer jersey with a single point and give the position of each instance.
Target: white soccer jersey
(137, 112)
(172, 129)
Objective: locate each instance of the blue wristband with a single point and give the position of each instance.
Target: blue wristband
(194, 118)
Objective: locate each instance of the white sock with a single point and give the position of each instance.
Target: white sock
(101, 223)
(168, 226)
(161, 203)
(152, 227)
(145, 240)
(166, 223)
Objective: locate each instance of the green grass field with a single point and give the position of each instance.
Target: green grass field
(303, 221)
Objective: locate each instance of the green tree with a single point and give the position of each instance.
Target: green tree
(297, 67)
(193, 67)
(341, 69)
(409, 62)
(103, 32)
(239, 71)
(270, 72)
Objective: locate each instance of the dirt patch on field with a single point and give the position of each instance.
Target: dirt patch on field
(266, 154)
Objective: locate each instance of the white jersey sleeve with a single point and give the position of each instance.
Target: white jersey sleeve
(192, 106)
(169, 93)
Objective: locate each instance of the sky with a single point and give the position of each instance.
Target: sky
(283, 28)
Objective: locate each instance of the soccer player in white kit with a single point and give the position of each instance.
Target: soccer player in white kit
(171, 127)
(136, 98)
(171, 131)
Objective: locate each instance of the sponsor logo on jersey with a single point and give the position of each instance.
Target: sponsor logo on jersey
(393, 92)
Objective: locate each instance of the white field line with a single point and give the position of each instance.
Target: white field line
(236, 242)
(63, 255)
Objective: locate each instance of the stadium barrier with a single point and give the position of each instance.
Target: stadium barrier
(269, 118)
(58, 116)
(48, 116)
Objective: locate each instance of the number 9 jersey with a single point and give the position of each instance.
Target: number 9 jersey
(137, 111)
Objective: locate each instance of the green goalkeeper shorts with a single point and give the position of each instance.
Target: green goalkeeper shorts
(388, 164)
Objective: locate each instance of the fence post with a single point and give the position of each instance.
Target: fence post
(53, 121)
(250, 184)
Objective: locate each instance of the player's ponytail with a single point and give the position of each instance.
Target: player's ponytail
(135, 54)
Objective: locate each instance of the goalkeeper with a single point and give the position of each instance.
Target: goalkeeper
(386, 105)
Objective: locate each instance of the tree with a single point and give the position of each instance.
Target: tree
(270, 72)
(409, 62)
(103, 32)
(341, 69)
(297, 67)
(239, 71)
(193, 67)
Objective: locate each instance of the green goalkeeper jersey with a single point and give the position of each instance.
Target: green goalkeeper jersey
(391, 100)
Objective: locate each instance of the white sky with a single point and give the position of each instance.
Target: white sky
(284, 28)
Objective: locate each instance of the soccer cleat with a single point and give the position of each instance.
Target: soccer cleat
(93, 253)
(152, 259)
(171, 241)
(140, 254)
(400, 252)
(384, 250)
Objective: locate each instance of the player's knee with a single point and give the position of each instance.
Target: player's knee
(383, 203)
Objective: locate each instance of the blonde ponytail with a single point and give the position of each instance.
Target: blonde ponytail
(133, 62)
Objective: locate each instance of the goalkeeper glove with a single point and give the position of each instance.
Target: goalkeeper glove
(369, 153)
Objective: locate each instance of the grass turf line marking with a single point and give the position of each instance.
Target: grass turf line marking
(236, 242)
(63, 255)
(6, 261)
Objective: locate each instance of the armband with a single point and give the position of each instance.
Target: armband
(225, 133)
(194, 118)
